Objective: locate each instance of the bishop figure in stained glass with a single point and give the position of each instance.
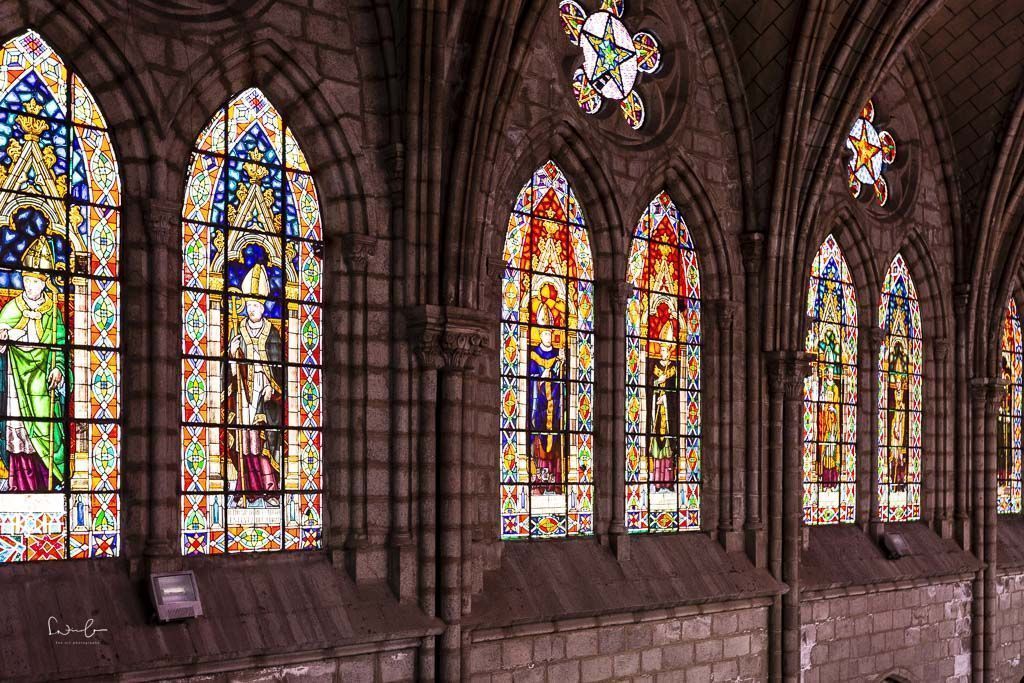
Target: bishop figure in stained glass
(34, 385)
(255, 390)
(546, 368)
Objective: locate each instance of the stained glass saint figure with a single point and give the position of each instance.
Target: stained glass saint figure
(663, 413)
(546, 371)
(830, 392)
(829, 420)
(35, 372)
(897, 427)
(255, 391)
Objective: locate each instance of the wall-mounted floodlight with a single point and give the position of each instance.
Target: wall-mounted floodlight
(175, 596)
(895, 545)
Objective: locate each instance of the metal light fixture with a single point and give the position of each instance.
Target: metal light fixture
(175, 596)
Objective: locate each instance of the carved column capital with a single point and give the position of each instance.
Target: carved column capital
(961, 299)
(446, 337)
(988, 390)
(358, 250)
(724, 312)
(163, 221)
(787, 371)
(941, 346)
(752, 249)
(495, 266)
(876, 338)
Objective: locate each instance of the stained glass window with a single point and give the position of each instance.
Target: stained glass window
(251, 373)
(613, 60)
(663, 374)
(830, 393)
(899, 397)
(60, 193)
(547, 364)
(1009, 445)
(871, 153)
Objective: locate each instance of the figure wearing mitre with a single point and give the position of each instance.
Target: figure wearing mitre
(546, 367)
(255, 389)
(34, 370)
(664, 375)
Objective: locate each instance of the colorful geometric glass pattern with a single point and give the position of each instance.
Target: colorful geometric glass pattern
(547, 365)
(663, 375)
(871, 153)
(60, 361)
(899, 397)
(612, 59)
(830, 392)
(252, 328)
(1008, 458)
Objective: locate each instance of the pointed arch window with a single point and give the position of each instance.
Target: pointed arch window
(1010, 411)
(547, 364)
(830, 393)
(899, 397)
(663, 374)
(60, 379)
(251, 374)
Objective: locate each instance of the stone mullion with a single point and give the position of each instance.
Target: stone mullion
(874, 515)
(753, 248)
(620, 294)
(163, 222)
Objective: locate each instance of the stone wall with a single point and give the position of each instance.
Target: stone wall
(921, 633)
(1009, 627)
(723, 646)
(378, 667)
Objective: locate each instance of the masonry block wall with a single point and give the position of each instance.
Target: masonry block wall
(923, 633)
(721, 646)
(1009, 627)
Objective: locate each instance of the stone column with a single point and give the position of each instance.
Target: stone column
(943, 503)
(358, 250)
(731, 471)
(995, 390)
(797, 367)
(961, 520)
(163, 228)
(979, 394)
(460, 342)
(787, 371)
(424, 330)
(752, 246)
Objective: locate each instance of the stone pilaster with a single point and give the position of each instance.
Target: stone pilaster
(752, 250)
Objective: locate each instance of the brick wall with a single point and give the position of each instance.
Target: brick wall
(925, 633)
(724, 646)
(1009, 627)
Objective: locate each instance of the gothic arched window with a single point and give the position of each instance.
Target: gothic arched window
(830, 393)
(899, 397)
(1009, 445)
(60, 193)
(547, 364)
(663, 374)
(251, 377)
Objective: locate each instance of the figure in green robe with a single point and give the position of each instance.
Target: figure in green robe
(31, 333)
